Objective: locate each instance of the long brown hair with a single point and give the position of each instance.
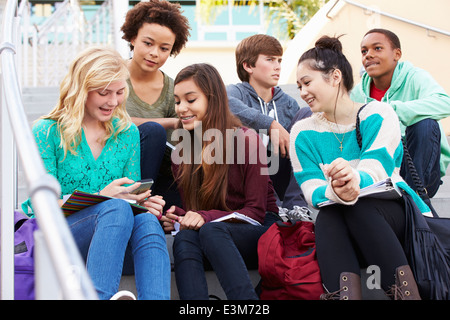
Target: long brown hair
(205, 184)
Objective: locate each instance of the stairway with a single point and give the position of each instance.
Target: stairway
(37, 102)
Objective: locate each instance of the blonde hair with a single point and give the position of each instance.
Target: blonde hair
(93, 69)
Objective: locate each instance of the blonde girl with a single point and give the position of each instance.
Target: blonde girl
(89, 143)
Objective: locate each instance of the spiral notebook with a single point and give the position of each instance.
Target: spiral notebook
(79, 200)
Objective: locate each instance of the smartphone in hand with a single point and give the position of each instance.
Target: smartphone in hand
(145, 185)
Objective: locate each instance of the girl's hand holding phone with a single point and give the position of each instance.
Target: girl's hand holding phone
(116, 189)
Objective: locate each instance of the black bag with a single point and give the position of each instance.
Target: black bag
(427, 243)
(427, 240)
(429, 260)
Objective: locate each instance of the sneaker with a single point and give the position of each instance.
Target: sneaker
(299, 214)
(123, 295)
(282, 212)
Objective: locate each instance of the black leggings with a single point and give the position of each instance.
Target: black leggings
(368, 233)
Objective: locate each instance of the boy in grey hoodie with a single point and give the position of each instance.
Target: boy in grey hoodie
(261, 105)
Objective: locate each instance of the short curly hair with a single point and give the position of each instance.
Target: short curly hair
(161, 12)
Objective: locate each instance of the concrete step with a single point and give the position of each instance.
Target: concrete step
(39, 101)
(441, 200)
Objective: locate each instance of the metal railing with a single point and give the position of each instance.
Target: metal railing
(44, 189)
(46, 50)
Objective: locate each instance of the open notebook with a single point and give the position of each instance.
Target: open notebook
(383, 189)
(237, 217)
(79, 200)
(232, 217)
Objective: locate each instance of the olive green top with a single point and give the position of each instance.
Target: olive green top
(164, 107)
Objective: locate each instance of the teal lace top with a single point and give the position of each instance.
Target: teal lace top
(119, 158)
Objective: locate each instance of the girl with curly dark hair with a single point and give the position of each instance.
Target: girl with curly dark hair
(155, 30)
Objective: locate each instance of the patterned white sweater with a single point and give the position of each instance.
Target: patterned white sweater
(315, 141)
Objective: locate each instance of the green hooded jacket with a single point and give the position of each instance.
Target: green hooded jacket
(415, 96)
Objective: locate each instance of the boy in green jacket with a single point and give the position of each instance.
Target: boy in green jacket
(419, 101)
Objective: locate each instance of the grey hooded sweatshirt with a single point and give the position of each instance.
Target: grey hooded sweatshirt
(255, 113)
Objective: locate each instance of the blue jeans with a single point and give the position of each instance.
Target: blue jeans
(153, 146)
(423, 140)
(227, 248)
(104, 232)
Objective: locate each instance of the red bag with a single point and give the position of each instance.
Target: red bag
(288, 264)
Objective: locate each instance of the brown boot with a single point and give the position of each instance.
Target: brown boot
(405, 287)
(350, 288)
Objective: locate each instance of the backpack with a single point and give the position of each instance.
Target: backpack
(287, 262)
(24, 256)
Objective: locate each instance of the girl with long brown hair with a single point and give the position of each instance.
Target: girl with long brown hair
(227, 175)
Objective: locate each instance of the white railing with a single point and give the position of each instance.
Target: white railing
(45, 51)
(100, 28)
(56, 251)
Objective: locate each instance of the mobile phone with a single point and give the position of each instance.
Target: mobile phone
(145, 185)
